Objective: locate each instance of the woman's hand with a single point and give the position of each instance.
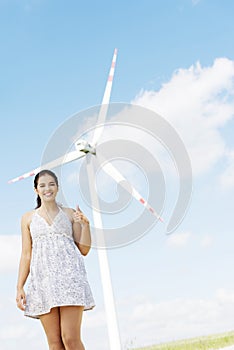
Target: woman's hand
(81, 232)
(78, 216)
(21, 299)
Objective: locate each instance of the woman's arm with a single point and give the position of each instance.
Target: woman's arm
(24, 265)
(81, 231)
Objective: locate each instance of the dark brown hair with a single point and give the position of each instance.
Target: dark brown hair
(36, 179)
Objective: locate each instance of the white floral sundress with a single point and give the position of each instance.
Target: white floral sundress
(57, 271)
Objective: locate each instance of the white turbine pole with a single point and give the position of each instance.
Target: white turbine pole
(112, 324)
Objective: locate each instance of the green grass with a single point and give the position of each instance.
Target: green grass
(203, 343)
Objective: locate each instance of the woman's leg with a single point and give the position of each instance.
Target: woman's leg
(51, 325)
(70, 321)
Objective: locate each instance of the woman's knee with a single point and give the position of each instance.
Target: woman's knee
(56, 344)
(72, 342)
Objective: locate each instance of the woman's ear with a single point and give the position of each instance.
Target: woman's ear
(35, 190)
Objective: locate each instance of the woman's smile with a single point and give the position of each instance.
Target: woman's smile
(48, 194)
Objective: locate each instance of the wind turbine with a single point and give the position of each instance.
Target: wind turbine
(88, 150)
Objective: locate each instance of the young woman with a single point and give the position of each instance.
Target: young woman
(53, 242)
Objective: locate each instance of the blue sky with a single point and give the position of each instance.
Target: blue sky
(175, 57)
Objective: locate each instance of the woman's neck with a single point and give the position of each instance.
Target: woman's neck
(49, 207)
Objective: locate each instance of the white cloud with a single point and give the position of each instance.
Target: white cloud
(10, 249)
(13, 332)
(207, 241)
(197, 101)
(149, 322)
(179, 239)
(182, 239)
(95, 332)
(225, 296)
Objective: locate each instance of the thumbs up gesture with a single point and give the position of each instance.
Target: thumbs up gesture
(78, 216)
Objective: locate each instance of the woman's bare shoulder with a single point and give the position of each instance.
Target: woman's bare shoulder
(27, 217)
(68, 211)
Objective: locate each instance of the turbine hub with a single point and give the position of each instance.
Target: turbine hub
(84, 146)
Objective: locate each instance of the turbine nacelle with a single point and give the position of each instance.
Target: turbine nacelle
(84, 146)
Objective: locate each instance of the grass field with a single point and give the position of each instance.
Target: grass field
(203, 343)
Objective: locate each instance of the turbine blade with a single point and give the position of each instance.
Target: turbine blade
(120, 179)
(105, 101)
(67, 158)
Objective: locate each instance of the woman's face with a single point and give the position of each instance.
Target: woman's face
(47, 188)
